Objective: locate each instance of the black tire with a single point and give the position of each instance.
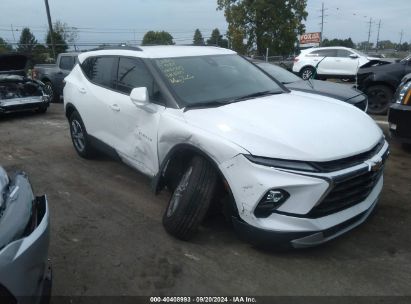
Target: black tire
(42, 109)
(50, 90)
(79, 137)
(407, 147)
(379, 98)
(191, 199)
(307, 72)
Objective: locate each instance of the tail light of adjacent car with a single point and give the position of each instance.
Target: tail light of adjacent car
(403, 95)
(296, 59)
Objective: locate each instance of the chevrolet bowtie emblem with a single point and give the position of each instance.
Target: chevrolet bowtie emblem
(376, 166)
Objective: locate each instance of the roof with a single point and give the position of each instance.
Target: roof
(165, 51)
(327, 47)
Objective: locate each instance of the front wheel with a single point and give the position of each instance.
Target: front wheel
(79, 136)
(191, 199)
(379, 99)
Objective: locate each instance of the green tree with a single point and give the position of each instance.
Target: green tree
(27, 42)
(338, 42)
(365, 45)
(59, 42)
(40, 54)
(157, 38)
(69, 34)
(63, 35)
(198, 38)
(386, 44)
(4, 46)
(273, 24)
(217, 39)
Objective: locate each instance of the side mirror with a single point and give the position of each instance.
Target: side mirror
(139, 96)
(353, 56)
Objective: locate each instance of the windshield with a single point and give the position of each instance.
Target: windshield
(215, 78)
(278, 73)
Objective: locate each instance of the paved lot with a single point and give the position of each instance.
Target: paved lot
(107, 237)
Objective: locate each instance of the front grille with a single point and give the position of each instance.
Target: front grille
(347, 191)
(347, 162)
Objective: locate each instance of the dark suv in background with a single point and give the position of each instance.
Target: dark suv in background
(380, 82)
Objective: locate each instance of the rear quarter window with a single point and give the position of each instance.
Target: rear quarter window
(101, 70)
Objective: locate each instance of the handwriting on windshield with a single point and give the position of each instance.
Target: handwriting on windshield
(175, 73)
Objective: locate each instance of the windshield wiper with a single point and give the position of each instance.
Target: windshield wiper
(219, 103)
(255, 95)
(202, 105)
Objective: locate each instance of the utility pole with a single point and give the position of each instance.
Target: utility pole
(12, 31)
(401, 35)
(46, 2)
(369, 35)
(322, 22)
(378, 35)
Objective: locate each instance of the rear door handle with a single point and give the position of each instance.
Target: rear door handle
(82, 90)
(115, 107)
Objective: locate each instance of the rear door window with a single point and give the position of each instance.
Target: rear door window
(101, 70)
(344, 53)
(327, 53)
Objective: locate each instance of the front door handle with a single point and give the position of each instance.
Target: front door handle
(115, 107)
(82, 90)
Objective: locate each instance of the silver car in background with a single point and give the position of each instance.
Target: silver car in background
(25, 274)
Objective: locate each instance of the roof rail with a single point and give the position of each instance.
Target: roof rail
(118, 47)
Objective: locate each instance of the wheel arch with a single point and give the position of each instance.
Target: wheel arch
(173, 164)
(69, 109)
(388, 84)
(306, 66)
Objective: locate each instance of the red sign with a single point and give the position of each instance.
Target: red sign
(310, 38)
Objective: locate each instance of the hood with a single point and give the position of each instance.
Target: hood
(295, 126)
(330, 89)
(376, 64)
(13, 64)
(380, 67)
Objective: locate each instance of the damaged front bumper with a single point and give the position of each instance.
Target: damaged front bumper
(314, 210)
(25, 273)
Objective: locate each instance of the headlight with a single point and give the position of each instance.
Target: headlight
(404, 93)
(281, 163)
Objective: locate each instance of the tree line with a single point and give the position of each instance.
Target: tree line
(365, 45)
(38, 52)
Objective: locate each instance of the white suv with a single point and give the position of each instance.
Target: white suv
(338, 62)
(213, 128)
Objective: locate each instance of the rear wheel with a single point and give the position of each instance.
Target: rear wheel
(42, 109)
(307, 72)
(191, 199)
(379, 99)
(79, 136)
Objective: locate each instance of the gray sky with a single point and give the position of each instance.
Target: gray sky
(125, 20)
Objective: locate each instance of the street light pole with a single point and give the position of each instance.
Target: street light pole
(50, 28)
